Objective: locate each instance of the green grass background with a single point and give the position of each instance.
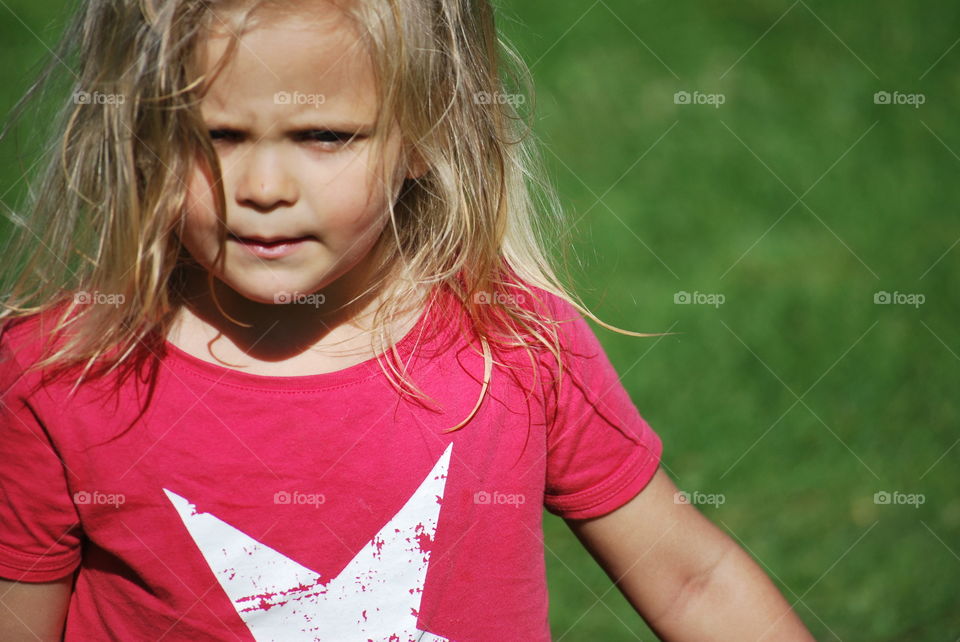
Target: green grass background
(693, 198)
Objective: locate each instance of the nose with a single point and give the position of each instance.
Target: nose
(263, 181)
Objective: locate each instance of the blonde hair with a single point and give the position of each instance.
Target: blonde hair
(107, 204)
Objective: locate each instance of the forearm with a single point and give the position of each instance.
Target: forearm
(735, 601)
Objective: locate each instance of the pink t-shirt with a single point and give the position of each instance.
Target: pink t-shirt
(219, 504)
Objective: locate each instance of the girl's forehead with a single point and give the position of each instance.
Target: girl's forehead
(323, 59)
(324, 22)
(314, 15)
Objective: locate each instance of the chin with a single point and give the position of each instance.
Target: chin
(257, 295)
(274, 290)
(268, 298)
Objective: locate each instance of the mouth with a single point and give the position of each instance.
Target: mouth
(271, 247)
(272, 241)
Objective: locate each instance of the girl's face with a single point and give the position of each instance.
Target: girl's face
(280, 113)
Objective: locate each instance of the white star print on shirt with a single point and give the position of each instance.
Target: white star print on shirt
(375, 597)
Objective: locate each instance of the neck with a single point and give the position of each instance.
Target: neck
(277, 332)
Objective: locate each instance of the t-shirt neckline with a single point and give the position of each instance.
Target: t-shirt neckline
(345, 376)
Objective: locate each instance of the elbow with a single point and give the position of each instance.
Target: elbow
(730, 599)
(688, 590)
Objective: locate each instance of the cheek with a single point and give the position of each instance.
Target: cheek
(351, 204)
(198, 226)
(199, 216)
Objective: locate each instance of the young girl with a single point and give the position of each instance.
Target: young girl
(283, 358)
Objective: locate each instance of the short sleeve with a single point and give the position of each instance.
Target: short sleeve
(39, 525)
(600, 451)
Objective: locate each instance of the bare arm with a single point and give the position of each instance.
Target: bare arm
(34, 611)
(683, 575)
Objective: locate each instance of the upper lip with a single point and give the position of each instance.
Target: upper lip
(269, 239)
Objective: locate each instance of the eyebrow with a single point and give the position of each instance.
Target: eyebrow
(221, 121)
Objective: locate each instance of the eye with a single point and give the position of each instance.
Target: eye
(225, 135)
(326, 137)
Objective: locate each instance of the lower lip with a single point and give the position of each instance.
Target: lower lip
(272, 250)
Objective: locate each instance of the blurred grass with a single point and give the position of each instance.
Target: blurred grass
(700, 200)
(703, 199)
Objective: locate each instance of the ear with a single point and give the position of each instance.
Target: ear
(416, 165)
